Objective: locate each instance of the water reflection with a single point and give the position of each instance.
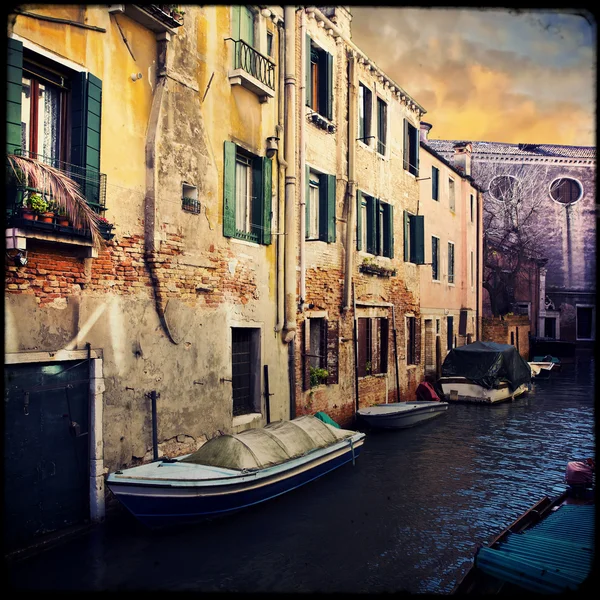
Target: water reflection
(409, 516)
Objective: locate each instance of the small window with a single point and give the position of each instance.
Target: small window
(245, 370)
(565, 190)
(373, 341)
(585, 322)
(318, 343)
(472, 208)
(437, 327)
(381, 126)
(189, 199)
(411, 149)
(435, 183)
(450, 262)
(472, 269)
(320, 206)
(505, 188)
(451, 195)
(320, 350)
(411, 341)
(375, 226)
(449, 332)
(319, 79)
(414, 238)
(365, 99)
(247, 195)
(435, 258)
(269, 44)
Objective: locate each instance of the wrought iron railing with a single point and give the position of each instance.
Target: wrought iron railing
(254, 63)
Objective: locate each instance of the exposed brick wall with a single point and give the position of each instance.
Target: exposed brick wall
(497, 329)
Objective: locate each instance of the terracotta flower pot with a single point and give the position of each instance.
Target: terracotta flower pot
(62, 220)
(46, 217)
(28, 214)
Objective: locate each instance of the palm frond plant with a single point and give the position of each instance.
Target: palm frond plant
(65, 193)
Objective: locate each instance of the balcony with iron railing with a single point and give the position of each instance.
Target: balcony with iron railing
(52, 226)
(252, 70)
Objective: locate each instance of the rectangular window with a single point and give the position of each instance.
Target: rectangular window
(245, 370)
(375, 226)
(320, 206)
(437, 327)
(451, 195)
(411, 149)
(411, 341)
(269, 44)
(450, 332)
(365, 98)
(472, 269)
(435, 258)
(319, 79)
(550, 328)
(472, 208)
(381, 126)
(435, 183)
(414, 238)
(585, 322)
(373, 341)
(247, 195)
(320, 349)
(450, 262)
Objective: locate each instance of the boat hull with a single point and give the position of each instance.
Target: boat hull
(400, 415)
(460, 389)
(159, 503)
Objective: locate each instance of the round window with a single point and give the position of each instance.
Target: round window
(505, 188)
(565, 190)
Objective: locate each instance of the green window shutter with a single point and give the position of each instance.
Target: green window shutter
(235, 33)
(257, 201)
(328, 86)
(388, 230)
(267, 179)
(435, 182)
(405, 153)
(419, 239)
(94, 118)
(308, 74)
(330, 179)
(406, 236)
(229, 189)
(378, 232)
(359, 223)
(78, 118)
(323, 207)
(307, 202)
(14, 86)
(416, 146)
(371, 226)
(247, 26)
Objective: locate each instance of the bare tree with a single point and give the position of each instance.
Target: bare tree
(513, 195)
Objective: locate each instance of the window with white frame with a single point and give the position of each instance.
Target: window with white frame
(312, 232)
(365, 99)
(451, 194)
(381, 126)
(243, 193)
(435, 258)
(320, 206)
(450, 262)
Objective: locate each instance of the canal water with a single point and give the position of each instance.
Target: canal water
(407, 517)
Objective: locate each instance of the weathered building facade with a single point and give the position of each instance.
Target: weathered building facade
(451, 298)
(557, 286)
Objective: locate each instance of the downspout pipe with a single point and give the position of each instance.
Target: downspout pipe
(479, 256)
(302, 156)
(351, 189)
(290, 176)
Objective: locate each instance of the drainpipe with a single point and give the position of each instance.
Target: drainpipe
(290, 177)
(280, 183)
(351, 189)
(480, 243)
(150, 250)
(302, 153)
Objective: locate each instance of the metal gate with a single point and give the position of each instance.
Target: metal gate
(46, 449)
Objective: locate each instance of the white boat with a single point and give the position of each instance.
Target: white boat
(231, 472)
(399, 415)
(463, 389)
(484, 372)
(541, 369)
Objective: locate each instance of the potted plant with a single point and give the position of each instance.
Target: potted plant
(105, 228)
(36, 203)
(318, 376)
(61, 216)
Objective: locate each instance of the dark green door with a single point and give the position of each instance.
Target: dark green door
(46, 483)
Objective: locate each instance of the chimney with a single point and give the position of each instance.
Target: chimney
(462, 156)
(424, 131)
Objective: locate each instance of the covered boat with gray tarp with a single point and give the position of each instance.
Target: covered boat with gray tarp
(231, 472)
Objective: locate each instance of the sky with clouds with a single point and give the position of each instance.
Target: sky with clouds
(489, 75)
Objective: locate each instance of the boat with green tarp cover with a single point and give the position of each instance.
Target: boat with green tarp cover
(231, 472)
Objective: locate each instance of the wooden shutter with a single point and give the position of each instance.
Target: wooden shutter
(330, 206)
(247, 26)
(406, 237)
(229, 189)
(307, 202)
(405, 153)
(256, 202)
(333, 346)
(417, 341)
(305, 340)
(362, 347)
(328, 85)
(267, 196)
(419, 239)
(14, 86)
(388, 230)
(383, 344)
(308, 74)
(371, 226)
(359, 223)
(435, 179)
(462, 323)
(415, 147)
